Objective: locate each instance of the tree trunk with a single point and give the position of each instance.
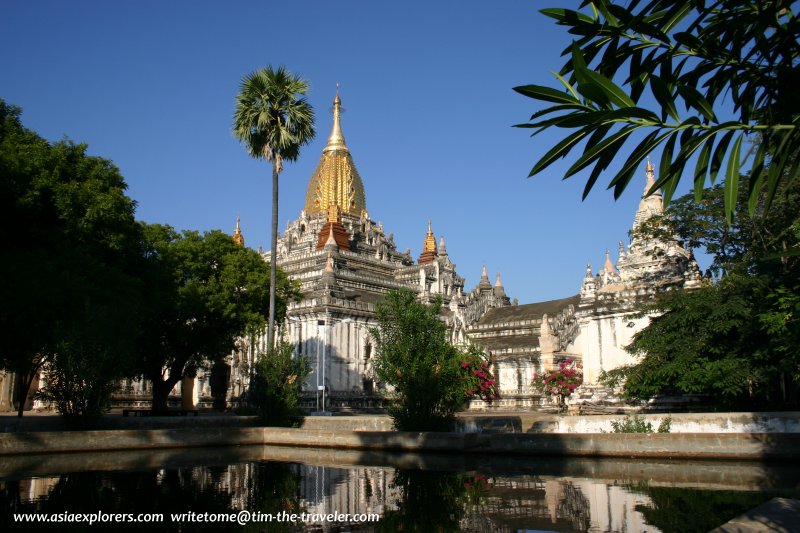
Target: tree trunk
(160, 394)
(23, 388)
(273, 256)
(161, 390)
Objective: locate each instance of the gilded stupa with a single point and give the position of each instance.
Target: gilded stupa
(429, 250)
(335, 180)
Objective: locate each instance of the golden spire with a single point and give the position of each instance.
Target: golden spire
(430, 240)
(429, 251)
(335, 181)
(238, 238)
(336, 140)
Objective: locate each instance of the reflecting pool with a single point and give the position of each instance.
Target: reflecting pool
(295, 489)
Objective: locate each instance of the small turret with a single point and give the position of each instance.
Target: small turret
(589, 287)
(484, 283)
(499, 290)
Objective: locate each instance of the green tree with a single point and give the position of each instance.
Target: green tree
(701, 56)
(415, 358)
(205, 292)
(276, 386)
(94, 348)
(70, 248)
(735, 339)
(273, 121)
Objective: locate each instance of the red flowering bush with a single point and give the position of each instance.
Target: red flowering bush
(560, 382)
(476, 488)
(479, 381)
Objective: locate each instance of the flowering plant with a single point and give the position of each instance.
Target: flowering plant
(478, 377)
(560, 382)
(476, 488)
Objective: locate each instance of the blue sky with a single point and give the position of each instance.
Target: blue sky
(429, 109)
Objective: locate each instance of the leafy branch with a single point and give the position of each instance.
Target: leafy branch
(708, 58)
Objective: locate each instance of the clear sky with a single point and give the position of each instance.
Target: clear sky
(429, 108)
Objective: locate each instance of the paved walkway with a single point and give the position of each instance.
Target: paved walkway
(780, 515)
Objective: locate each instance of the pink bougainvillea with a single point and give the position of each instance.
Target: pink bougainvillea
(561, 381)
(479, 380)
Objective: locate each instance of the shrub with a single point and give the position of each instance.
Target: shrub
(276, 386)
(560, 382)
(479, 380)
(637, 424)
(77, 386)
(431, 378)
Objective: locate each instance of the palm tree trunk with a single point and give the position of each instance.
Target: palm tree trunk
(273, 256)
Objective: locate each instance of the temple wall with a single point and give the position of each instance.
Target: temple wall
(602, 341)
(6, 391)
(337, 351)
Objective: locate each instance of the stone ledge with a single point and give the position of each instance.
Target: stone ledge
(756, 446)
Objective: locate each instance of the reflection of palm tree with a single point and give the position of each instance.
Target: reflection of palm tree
(273, 122)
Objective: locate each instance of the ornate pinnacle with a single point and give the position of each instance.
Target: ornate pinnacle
(336, 140)
(608, 266)
(238, 238)
(430, 240)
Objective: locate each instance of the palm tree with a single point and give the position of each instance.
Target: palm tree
(273, 121)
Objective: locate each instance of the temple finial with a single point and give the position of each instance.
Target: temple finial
(336, 140)
(429, 245)
(651, 177)
(484, 282)
(608, 266)
(238, 238)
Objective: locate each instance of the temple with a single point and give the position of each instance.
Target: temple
(346, 263)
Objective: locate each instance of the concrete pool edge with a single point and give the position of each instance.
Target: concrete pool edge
(701, 446)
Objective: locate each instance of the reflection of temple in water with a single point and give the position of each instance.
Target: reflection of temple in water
(355, 490)
(508, 503)
(555, 504)
(486, 504)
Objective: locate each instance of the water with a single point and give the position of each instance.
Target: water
(405, 492)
